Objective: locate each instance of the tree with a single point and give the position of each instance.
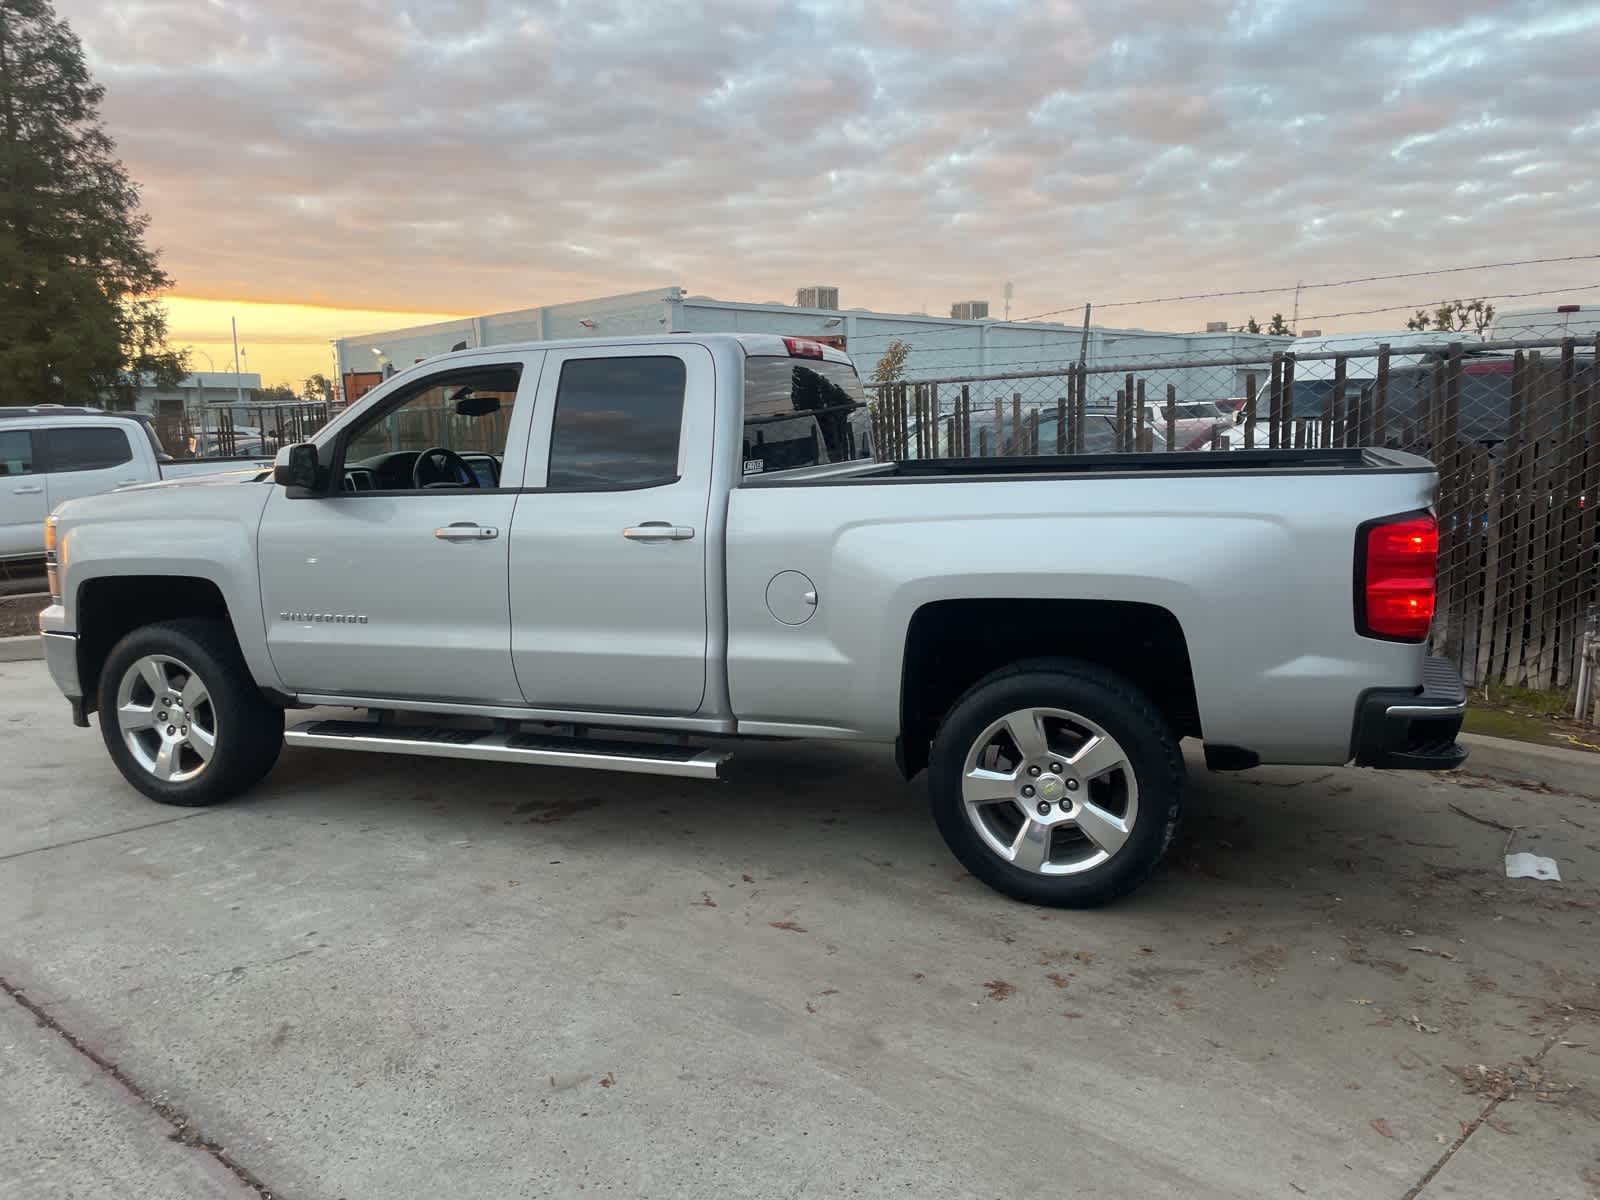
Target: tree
(277, 393)
(79, 318)
(1279, 327)
(317, 388)
(1251, 326)
(1454, 316)
(893, 363)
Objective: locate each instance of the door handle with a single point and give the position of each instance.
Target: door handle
(658, 531)
(466, 531)
(27, 490)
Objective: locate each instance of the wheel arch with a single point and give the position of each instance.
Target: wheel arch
(952, 644)
(109, 607)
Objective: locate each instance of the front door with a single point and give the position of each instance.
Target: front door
(609, 548)
(394, 585)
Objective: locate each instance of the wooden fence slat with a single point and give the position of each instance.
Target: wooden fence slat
(999, 426)
(1083, 407)
(1287, 393)
(1340, 431)
(1250, 411)
(1033, 431)
(1380, 396)
(1061, 424)
(1015, 442)
(934, 421)
(1125, 441)
(1568, 496)
(1275, 402)
(1542, 648)
(1141, 420)
(966, 422)
(1172, 417)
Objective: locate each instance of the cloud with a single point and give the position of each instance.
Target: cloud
(471, 155)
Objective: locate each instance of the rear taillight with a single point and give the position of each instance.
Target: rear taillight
(1397, 577)
(803, 348)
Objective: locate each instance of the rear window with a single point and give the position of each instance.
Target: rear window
(87, 447)
(801, 411)
(617, 423)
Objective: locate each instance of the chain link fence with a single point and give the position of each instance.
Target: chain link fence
(1512, 425)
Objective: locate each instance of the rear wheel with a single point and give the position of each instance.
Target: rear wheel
(181, 716)
(1056, 782)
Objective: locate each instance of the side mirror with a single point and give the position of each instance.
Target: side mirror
(297, 467)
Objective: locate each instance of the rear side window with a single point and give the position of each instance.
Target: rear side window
(617, 423)
(87, 447)
(16, 452)
(799, 412)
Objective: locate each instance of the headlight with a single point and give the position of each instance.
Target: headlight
(51, 572)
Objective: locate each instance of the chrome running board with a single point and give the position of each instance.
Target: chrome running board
(535, 749)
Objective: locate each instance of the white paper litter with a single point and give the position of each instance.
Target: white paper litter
(1523, 865)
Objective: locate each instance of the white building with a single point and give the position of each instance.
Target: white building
(941, 347)
(195, 391)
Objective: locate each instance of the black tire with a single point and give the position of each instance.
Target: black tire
(1120, 710)
(248, 730)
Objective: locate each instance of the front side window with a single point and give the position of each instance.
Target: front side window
(16, 452)
(617, 423)
(448, 432)
(87, 447)
(799, 412)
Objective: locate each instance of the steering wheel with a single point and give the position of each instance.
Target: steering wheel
(454, 470)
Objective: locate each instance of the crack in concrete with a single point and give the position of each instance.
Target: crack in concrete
(183, 1129)
(95, 837)
(1473, 1126)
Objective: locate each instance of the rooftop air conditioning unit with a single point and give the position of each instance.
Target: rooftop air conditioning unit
(970, 310)
(1216, 327)
(821, 296)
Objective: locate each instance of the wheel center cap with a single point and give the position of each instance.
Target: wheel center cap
(1051, 786)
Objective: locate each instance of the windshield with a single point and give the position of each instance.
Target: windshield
(797, 413)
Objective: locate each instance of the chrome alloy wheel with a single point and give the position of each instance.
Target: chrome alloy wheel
(1050, 791)
(166, 717)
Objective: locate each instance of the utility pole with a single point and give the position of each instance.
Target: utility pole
(1294, 322)
(238, 383)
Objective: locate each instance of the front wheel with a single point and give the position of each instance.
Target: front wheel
(181, 716)
(1056, 782)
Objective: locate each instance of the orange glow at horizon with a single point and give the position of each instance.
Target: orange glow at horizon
(284, 343)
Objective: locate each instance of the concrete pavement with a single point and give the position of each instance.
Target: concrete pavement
(390, 977)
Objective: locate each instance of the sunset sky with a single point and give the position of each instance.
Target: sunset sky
(319, 169)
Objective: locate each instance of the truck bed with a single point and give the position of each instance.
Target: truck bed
(1368, 460)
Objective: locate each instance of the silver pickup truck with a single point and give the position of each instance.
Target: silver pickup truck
(627, 554)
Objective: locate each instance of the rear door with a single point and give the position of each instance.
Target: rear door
(608, 548)
(22, 494)
(84, 460)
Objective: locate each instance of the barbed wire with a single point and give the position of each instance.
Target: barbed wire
(1227, 357)
(1314, 285)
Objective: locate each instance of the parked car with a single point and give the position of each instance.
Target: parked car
(1035, 634)
(51, 454)
(1099, 433)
